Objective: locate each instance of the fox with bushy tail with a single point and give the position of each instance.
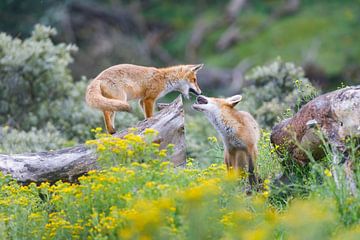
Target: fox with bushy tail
(111, 90)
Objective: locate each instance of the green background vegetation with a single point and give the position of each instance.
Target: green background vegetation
(43, 76)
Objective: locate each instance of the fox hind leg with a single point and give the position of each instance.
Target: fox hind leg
(227, 161)
(246, 162)
(251, 169)
(112, 118)
(118, 98)
(109, 119)
(252, 155)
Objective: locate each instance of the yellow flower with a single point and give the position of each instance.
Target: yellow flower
(266, 194)
(156, 145)
(150, 131)
(164, 164)
(101, 147)
(91, 172)
(96, 130)
(130, 172)
(127, 197)
(133, 129)
(228, 219)
(130, 153)
(149, 184)
(134, 138)
(266, 184)
(212, 139)
(162, 153)
(327, 173)
(88, 142)
(170, 146)
(115, 169)
(35, 216)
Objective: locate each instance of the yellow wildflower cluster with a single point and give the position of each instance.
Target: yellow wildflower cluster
(147, 198)
(130, 148)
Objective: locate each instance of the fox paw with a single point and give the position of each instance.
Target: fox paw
(112, 132)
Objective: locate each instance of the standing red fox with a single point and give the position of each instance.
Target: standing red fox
(113, 87)
(239, 131)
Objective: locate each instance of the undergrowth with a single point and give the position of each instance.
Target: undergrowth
(139, 195)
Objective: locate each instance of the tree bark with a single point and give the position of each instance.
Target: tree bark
(336, 116)
(70, 163)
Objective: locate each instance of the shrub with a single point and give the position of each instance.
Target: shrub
(36, 87)
(33, 75)
(277, 88)
(35, 140)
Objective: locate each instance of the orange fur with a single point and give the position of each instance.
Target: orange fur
(111, 90)
(239, 131)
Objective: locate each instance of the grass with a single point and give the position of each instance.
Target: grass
(139, 195)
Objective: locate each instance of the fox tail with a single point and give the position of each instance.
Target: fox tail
(95, 99)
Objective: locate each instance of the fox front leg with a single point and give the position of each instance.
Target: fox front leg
(148, 107)
(141, 104)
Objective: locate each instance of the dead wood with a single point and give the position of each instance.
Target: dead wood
(70, 163)
(335, 116)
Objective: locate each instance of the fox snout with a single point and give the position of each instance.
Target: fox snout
(200, 102)
(195, 92)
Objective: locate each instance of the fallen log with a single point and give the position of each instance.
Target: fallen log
(70, 163)
(335, 116)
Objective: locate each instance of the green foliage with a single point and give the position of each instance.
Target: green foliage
(33, 75)
(37, 88)
(35, 140)
(197, 132)
(277, 88)
(150, 199)
(323, 32)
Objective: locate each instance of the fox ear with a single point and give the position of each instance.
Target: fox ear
(234, 100)
(197, 67)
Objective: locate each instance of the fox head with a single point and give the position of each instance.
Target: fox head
(188, 82)
(213, 106)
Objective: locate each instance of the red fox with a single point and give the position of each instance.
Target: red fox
(113, 87)
(239, 131)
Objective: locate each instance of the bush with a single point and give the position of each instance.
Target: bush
(37, 88)
(35, 140)
(277, 88)
(34, 73)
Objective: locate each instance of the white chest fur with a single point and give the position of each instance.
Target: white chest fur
(228, 132)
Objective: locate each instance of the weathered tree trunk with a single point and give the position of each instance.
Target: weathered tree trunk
(69, 163)
(336, 115)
